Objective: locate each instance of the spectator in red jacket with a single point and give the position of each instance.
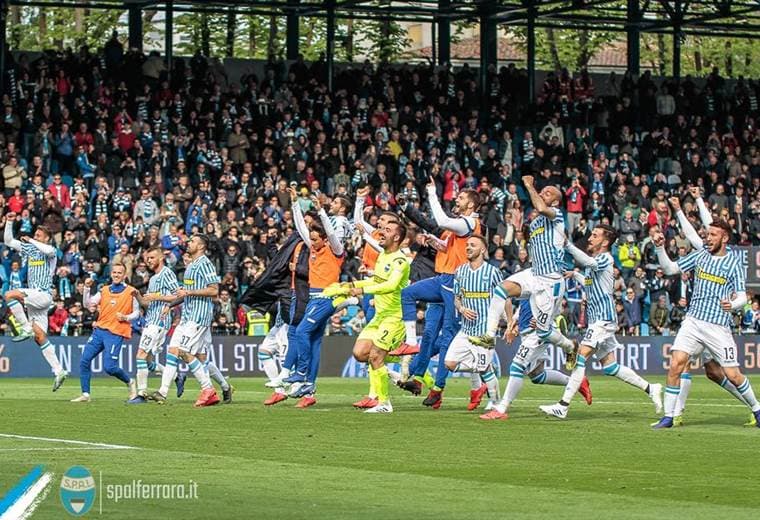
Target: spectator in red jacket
(576, 197)
(58, 318)
(60, 192)
(83, 137)
(16, 201)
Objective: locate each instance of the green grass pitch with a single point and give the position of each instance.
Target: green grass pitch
(332, 461)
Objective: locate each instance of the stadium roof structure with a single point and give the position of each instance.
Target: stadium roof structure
(677, 18)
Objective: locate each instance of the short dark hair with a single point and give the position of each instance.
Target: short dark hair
(346, 203)
(46, 230)
(204, 238)
(401, 230)
(610, 233)
(725, 226)
(318, 229)
(481, 238)
(474, 197)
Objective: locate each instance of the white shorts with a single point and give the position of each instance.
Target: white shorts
(601, 337)
(152, 339)
(191, 337)
(470, 357)
(276, 341)
(697, 337)
(38, 304)
(544, 294)
(531, 352)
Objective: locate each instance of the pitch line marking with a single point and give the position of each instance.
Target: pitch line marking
(69, 441)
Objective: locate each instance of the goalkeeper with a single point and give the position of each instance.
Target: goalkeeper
(386, 330)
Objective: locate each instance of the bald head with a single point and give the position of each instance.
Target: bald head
(551, 195)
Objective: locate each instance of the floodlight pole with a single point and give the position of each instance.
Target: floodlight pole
(292, 32)
(135, 27)
(633, 31)
(488, 50)
(444, 34)
(531, 51)
(169, 38)
(330, 54)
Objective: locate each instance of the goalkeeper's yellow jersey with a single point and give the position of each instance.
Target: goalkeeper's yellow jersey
(390, 276)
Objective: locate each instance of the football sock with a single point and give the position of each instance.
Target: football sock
(749, 395)
(269, 364)
(199, 371)
(170, 372)
(729, 387)
(672, 394)
(48, 352)
(394, 376)
(492, 383)
(142, 375)
(411, 331)
(683, 395)
(626, 374)
(18, 312)
(495, 310)
(475, 381)
(155, 367)
(555, 337)
(576, 378)
(381, 382)
(428, 380)
(372, 382)
(216, 375)
(552, 377)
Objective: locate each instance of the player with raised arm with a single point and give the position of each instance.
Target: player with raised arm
(40, 258)
(599, 340)
(192, 336)
(543, 284)
(326, 255)
(713, 370)
(439, 289)
(474, 286)
(386, 329)
(161, 289)
(719, 289)
(117, 306)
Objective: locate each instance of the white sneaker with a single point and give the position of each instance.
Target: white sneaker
(655, 394)
(556, 410)
(132, 385)
(380, 408)
(84, 398)
(59, 379)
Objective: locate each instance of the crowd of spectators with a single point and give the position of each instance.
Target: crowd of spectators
(115, 155)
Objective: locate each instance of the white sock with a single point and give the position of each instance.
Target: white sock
(475, 381)
(626, 374)
(216, 375)
(674, 404)
(142, 375)
(158, 368)
(749, 395)
(284, 373)
(269, 364)
(495, 396)
(170, 372)
(555, 337)
(199, 371)
(555, 377)
(575, 380)
(18, 312)
(394, 376)
(492, 383)
(729, 387)
(683, 395)
(495, 310)
(514, 385)
(411, 332)
(48, 352)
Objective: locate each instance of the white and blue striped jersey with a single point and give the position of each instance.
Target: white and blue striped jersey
(199, 275)
(163, 283)
(716, 278)
(546, 243)
(475, 289)
(341, 226)
(40, 267)
(598, 284)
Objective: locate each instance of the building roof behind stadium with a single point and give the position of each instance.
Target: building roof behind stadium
(735, 18)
